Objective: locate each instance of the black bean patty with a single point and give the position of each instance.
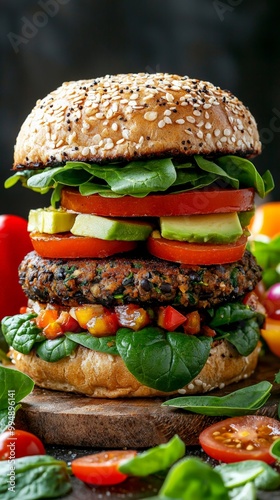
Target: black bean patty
(141, 281)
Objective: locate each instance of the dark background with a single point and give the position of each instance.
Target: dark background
(232, 43)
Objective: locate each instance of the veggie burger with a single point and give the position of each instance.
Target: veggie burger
(140, 283)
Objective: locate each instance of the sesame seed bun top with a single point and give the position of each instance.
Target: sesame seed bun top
(131, 116)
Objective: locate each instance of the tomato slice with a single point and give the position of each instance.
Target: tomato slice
(160, 205)
(65, 245)
(271, 334)
(196, 253)
(16, 444)
(102, 468)
(241, 438)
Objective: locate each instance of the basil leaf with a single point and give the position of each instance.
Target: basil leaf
(241, 402)
(191, 478)
(56, 349)
(155, 459)
(244, 337)
(13, 382)
(101, 344)
(38, 476)
(20, 332)
(163, 361)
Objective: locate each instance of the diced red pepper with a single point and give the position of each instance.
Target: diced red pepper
(169, 318)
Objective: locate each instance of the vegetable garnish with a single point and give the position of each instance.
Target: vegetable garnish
(39, 476)
(102, 468)
(155, 459)
(241, 438)
(23, 444)
(14, 385)
(143, 177)
(241, 402)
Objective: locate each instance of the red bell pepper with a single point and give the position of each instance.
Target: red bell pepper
(14, 245)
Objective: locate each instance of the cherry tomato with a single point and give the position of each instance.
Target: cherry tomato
(65, 245)
(266, 220)
(14, 245)
(159, 205)
(102, 468)
(194, 253)
(169, 318)
(271, 334)
(241, 438)
(16, 444)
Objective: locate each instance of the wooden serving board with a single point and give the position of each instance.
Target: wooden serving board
(71, 420)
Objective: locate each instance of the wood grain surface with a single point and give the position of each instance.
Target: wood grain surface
(72, 420)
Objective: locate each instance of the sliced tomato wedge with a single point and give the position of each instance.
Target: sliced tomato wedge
(241, 438)
(65, 245)
(160, 205)
(196, 253)
(102, 468)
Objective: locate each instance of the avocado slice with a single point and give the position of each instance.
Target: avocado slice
(110, 229)
(245, 217)
(210, 228)
(48, 220)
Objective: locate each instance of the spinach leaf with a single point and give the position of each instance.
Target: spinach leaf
(267, 255)
(14, 386)
(241, 402)
(38, 476)
(56, 349)
(239, 473)
(155, 459)
(247, 174)
(13, 381)
(190, 478)
(231, 313)
(275, 449)
(163, 361)
(44, 179)
(20, 332)
(244, 337)
(101, 344)
(245, 492)
(137, 177)
(213, 168)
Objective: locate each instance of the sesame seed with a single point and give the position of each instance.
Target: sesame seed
(96, 139)
(115, 126)
(200, 124)
(200, 134)
(92, 150)
(167, 112)
(167, 119)
(181, 121)
(196, 112)
(190, 119)
(227, 132)
(169, 97)
(85, 151)
(125, 133)
(150, 116)
(188, 132)
(208, 125)
(217, 132)
(59, 143)
(120, 141)
(161, 124)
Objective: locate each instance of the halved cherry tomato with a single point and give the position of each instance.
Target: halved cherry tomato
(17, 443)
(271, 334)
(195, 253)
(159, 205)
(169, 318)
(65, 245)
(102, 468)
(241, 438)
(266, 220)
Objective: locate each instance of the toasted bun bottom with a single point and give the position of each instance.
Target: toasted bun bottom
(101, 375)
